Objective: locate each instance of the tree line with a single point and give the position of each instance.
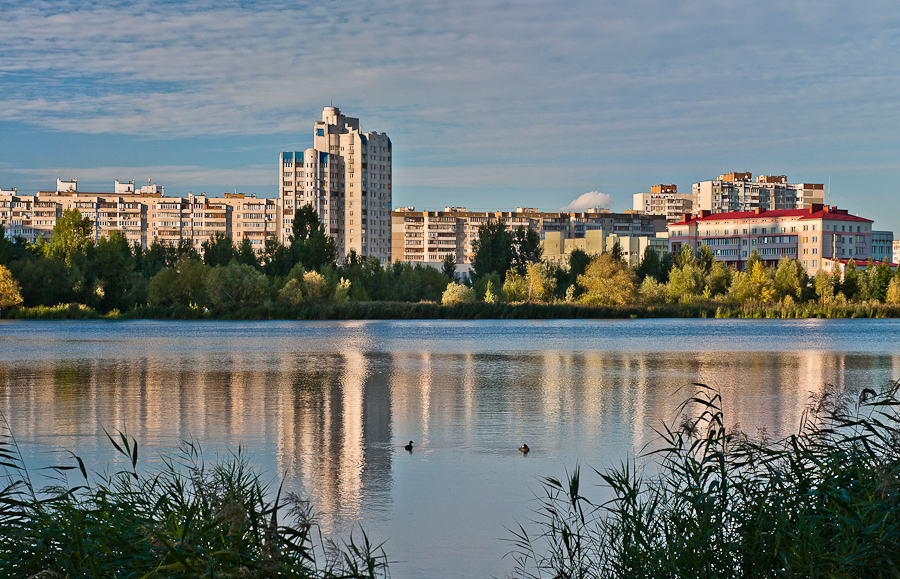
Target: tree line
(110, 274)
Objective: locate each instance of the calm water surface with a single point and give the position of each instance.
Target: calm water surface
(328, 406)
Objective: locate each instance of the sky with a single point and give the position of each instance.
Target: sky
(489, 105)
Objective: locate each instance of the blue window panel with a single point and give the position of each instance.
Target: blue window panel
(320, 132)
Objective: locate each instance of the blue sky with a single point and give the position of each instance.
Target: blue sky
(490, 105)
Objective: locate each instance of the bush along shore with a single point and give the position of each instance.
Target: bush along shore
(508, 279)
(822, 503)
(464, 311)
(190, 518)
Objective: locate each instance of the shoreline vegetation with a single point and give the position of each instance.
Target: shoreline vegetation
(824, 502)
(75, 276)
(469, 311)
(191, 517)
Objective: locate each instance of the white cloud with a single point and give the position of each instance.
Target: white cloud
(589, 200)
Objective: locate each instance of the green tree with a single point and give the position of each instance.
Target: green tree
(666, 263)
(9, 289)
(741, 290)
(246, 255)
(113, 264)
(481, 286)
(704, 258)
(235, 285)
(526, 248)
(607, 281)
(310, 243)
(185, 248)
(652, 292)
(183, 284)
(685, 256)
(617, 251)
(6, 249)
(448, 266)
(850, 285)
(218, 250)
(578, 262)
(824, 284)
(687, 280)
(277, 258)
(492, 250)
(719, 278)
(649, 265)
(72, 235)
(881, 279)
(515, 288)
(47, 281)
(790, 279)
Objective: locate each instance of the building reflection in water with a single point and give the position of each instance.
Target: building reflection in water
(332, 424)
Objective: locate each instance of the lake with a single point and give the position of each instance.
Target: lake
(328, 406)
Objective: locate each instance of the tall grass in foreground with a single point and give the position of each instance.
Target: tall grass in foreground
(189, 519)
(824, 502)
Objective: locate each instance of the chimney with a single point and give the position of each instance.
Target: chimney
(757, 210)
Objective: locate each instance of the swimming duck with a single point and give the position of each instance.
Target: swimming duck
(409, 446)
(524, 448)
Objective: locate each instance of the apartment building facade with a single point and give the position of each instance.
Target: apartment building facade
(347, 178)
(558, 248)
(143, 216)
(883, 246)
(664, 200)
(808, 235)
(739, 192)
(428, 237)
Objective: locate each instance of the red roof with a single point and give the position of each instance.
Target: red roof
(815, 212)
(863, 262)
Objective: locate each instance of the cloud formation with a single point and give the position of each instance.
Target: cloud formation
(623, 90)
(590, 200)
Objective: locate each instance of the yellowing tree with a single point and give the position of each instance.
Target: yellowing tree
(541, 285)
(9, 289)
(607, 280)
(457, 293)
(763, 289)
(893, 291)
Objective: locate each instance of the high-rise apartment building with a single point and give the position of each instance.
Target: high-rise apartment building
(346, 178)
(739, 192)
(664, 200)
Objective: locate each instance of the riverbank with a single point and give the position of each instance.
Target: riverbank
(470, 311)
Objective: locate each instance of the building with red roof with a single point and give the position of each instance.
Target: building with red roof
(809, 235)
